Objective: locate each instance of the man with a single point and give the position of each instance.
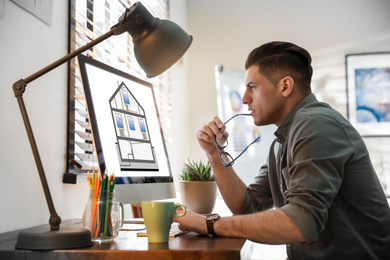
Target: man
(318, 192)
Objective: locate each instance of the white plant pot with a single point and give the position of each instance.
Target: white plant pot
(198, 196)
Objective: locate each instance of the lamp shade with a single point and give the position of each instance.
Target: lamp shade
(158, 44)
(160, 49)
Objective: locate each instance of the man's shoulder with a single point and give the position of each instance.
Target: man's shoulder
(319, 109)
(321, 118)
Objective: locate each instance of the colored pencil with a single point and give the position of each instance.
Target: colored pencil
(95, 196)
(101, 203)
(100, 188)
(89, 179)
(107, 208)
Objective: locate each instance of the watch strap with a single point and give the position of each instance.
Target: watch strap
(210, 225)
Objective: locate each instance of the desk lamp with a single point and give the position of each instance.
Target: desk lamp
(158, 44)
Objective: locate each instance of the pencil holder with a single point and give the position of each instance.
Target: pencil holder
(103, 216)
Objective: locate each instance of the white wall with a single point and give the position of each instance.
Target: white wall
(27, 44)
(226, 31)
(178, 147)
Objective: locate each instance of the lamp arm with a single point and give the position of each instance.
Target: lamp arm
(54, 220)
(68, 57)
(19, 87)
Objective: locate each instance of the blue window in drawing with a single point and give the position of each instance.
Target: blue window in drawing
(119, 121)
(142, 125)
(130, 119)
(126, 97)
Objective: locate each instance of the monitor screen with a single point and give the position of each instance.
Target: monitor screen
(127, 132)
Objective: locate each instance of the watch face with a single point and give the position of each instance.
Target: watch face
(212, 217)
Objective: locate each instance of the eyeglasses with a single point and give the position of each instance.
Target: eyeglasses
(226, 159)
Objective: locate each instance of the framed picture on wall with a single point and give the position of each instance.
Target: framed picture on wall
(368, 92)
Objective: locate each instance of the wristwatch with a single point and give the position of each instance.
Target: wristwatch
(210, 219)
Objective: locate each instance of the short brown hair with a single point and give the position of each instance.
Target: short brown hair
(279, 59)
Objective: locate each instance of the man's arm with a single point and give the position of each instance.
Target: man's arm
(270, 227)
(232, 188)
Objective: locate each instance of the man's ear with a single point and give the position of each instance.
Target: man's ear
(287, 85)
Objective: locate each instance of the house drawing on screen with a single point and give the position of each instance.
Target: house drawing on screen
(134, 145)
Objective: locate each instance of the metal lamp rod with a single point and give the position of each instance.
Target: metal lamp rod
(19, 87)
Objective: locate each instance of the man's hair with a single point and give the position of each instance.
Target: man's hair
(279, 59)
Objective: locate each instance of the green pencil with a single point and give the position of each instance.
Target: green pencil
(107, 208)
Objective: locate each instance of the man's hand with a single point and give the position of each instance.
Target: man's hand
(192, 221)
(207, 134)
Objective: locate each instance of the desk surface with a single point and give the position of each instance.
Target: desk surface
(128, 246)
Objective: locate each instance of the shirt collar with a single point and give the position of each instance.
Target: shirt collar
(282, 131)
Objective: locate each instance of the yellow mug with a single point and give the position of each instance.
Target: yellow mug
(158, 218)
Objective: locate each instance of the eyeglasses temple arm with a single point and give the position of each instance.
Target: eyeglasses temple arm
(235, 116)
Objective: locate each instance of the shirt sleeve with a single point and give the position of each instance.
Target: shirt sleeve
(317, 153)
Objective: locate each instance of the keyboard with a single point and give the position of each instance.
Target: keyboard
(175, 231)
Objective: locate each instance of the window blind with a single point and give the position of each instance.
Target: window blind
(89, 19)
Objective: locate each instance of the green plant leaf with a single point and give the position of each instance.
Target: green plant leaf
(196, 171)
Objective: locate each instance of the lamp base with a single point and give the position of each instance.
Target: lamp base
(41, 238)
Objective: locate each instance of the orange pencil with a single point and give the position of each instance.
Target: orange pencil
(97, 223)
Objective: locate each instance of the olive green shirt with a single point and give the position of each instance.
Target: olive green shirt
(320, 174)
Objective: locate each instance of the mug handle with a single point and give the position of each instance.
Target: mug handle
(177, 205)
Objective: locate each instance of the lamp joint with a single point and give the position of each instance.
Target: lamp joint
(140, 19)
(55, 222)
(19, 87)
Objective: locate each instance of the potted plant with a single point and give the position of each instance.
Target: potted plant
(198, 189)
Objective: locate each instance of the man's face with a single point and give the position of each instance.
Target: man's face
(264, 100)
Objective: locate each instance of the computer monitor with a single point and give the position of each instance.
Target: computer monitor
(127, 132)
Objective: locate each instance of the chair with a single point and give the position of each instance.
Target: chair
(136, 208)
